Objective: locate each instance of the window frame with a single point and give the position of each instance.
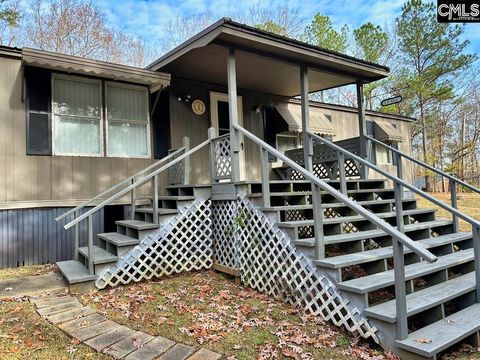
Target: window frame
(149, 140)
(288, 135)
(100, 119)
(388, 152)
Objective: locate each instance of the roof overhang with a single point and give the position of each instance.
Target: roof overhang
(81, 66)
(385, 131)
(265, 62)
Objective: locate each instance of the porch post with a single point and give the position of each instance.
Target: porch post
(233, 114)
(307, 140)
(362, 127)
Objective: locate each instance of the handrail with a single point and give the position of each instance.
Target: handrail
(425, 165)
(403, 183)
(116, 186)
(136, 185)
(390, 230)
(398, 253)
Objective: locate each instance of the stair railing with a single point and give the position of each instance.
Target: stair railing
(129, 185)
(397, 234)
(453, 181)
(398, 253)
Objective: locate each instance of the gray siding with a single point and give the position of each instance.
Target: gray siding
(32, 237)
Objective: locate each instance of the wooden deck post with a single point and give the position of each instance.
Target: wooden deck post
(233, 114)
(362, 127)
(307, 141)
(186, 161)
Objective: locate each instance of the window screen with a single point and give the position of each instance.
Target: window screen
(127, 119)
(77, 116)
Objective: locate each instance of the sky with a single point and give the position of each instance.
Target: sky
(147, 18)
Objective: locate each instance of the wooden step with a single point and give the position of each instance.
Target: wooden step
(118, 240)
(177, 197)
(349, 219)
(357, 258)
(371, 234)
(100, 256)
(424, 299)
(443, 333)
(384, 279)
(149, 210)
(74, 272)
(137, 224)
(333, 205)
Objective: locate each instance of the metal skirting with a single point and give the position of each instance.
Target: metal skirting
(32, 237)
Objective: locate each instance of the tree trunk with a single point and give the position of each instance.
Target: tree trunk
(424, 141)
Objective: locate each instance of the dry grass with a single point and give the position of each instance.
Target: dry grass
(211, 310)
(467, 202)
(25, 335)
(24, 271)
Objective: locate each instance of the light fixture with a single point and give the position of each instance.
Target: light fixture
(185, 98)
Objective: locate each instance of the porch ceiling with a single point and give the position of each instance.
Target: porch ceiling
(265, 62)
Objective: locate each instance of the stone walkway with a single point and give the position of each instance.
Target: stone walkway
(106, 336)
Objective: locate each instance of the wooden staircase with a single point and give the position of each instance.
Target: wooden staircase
(111, 246)
(441, 303)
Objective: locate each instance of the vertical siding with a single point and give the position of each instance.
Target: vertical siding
(31, 236)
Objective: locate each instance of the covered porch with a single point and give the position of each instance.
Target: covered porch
(256, 71)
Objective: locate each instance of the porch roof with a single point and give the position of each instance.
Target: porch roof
(292, 114)
(82, 66)
(265, 62)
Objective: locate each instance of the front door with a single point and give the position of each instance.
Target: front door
(220, 119)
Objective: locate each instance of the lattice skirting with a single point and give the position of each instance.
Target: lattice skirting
(269, 262)
(328, 170)
(184, 244)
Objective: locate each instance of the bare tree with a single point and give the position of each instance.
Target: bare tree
(284, 20)
(78, 27)
(181, 28)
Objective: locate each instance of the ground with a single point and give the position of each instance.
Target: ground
(210, 309)
(469, 203)
(202, 308)
(24, 271)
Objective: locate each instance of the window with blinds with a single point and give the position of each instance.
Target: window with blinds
(81, 125)
(77, 116)
(127, 120)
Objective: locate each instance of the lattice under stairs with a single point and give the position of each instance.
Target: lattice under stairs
(272, 249)
(441, 299)
(111, 248)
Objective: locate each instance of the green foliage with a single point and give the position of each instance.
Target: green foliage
(8, 14)
(371, 40)
(430, 51)
(272, 27)
(320, 32)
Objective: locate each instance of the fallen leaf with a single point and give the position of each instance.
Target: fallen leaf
(137, 343)
(423, 340)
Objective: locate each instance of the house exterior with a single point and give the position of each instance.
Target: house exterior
(214, 157)
(71, 127)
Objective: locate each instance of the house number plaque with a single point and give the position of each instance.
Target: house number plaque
(198, 107)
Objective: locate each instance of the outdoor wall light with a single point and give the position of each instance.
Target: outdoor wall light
(185, 98)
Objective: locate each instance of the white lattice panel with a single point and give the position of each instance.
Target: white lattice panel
(224, 246)
(270, 263)
(223, 159)
(184, 244)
